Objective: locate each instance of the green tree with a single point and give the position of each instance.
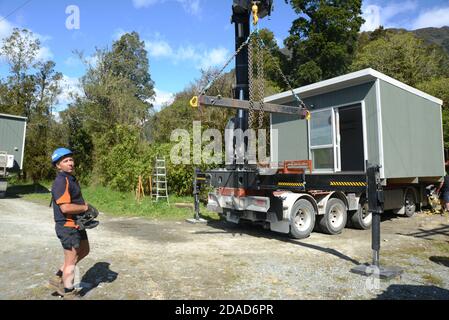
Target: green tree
(118, 88)
(128, 59)
(20, 50)
(31, 90)
(79, 141)
(323, 40)
(404, 57)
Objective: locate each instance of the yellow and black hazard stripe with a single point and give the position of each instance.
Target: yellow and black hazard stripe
(290, 184)
(347, 184)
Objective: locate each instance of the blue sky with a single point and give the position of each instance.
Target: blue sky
(181, 36)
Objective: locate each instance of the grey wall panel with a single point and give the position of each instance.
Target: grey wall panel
(292, 134)
(372, 126)
(11, 137)
(411, 134)
(339, 97)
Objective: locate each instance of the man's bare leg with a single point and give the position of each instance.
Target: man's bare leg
(70, 260)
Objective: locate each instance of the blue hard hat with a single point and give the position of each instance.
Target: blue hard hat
(59, 153)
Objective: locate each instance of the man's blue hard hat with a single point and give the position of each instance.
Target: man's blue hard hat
(59, 153)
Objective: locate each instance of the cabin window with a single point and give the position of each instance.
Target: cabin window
(322, 140)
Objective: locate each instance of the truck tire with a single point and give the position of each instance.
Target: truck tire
(409, 203)
(335, 218)
(302, 219)
(361, 218)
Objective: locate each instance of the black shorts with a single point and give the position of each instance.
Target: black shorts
(70, 237)
(444, 196)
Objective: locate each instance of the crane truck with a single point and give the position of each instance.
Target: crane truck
(288, 197)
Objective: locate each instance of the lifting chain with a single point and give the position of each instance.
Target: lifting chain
(250, 82)
(256, 80)
(260, 81)
(284, 77)
(218, 75)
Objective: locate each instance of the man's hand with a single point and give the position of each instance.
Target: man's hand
(71, 208)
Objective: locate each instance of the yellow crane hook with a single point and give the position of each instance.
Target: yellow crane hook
(194, 102)
(255, 10)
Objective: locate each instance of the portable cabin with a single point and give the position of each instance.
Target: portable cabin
(363, 116)
(12, 140)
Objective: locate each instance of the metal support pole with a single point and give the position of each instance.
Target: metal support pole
(198, 179)
(376, 201)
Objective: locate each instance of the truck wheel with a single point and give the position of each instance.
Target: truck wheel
(334, 220)
(409, 204)
(362, 218)
(302, 219)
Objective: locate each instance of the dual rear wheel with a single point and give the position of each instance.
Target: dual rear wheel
(303, 218)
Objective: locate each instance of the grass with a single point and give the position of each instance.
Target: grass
(115, 203)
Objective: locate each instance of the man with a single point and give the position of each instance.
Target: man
(443, 190)
(68, 202)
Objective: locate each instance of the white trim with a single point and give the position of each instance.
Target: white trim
(380, 130)
(404, 86)
(337, 139)
(442, 134)
(271, 138)
(323, 146)
(349, 80)
(11, 116)
(365, 135)
(23, 145)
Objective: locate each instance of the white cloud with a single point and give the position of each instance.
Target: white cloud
(5, 29)
(118, 33)
(200, 57)
(44, 54)
(162, 99)
(436, 17)
(70, 88)
(215, 57)
(72, 61)
(371, 14)
(192, 7)
(387, 16)
(144, 3)
(158, 48)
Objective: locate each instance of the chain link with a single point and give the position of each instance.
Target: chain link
(256, 82)
(243, 45)
(251, 83)
(260, 81)
(284, 77)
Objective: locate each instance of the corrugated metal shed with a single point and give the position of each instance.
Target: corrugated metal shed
(12, 137)
(361, 116)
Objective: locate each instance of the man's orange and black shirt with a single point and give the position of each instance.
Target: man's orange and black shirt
(65, 190)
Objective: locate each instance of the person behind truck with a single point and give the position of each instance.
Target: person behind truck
(443, 190)
(68, 202)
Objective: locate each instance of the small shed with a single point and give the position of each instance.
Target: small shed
(363, 116)
(12, 139)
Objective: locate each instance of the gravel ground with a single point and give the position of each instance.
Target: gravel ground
(136, 258)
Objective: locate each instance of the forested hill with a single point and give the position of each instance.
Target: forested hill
(438, 36)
